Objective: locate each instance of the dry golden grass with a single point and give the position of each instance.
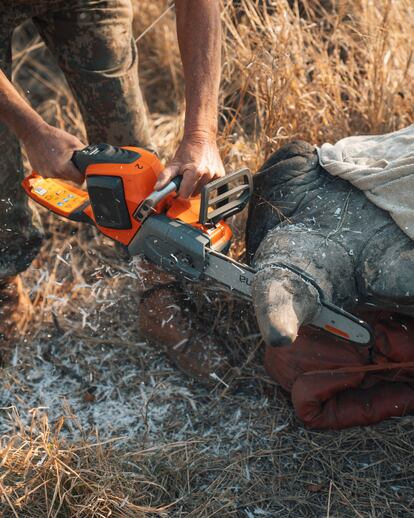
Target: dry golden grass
(321, 76)
(290, 69)
(60, 479)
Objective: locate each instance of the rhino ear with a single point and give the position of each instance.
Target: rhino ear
(283, 302)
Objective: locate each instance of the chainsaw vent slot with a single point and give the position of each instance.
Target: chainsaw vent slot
(107, 197)
(221, 199)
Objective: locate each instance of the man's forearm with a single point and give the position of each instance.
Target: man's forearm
(199, 38)
(48, 149)
(15, 112)
(197, 159)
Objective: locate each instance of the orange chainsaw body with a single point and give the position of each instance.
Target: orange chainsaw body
(138, 177)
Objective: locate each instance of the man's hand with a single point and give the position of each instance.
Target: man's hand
(50, 150)
(197, 160)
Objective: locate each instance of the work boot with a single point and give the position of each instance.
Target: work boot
(15, 308)
(167, 320)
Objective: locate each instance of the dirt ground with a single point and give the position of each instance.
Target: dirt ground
(236, 449)
(94, 422)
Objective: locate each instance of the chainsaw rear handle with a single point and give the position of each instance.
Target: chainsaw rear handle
(104, 154)
(104, 201)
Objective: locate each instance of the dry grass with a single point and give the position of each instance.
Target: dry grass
(61, 479)
(119, 431)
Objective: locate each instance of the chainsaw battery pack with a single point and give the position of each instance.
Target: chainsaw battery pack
(59, 197)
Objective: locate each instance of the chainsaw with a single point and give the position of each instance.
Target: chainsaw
(185, 237)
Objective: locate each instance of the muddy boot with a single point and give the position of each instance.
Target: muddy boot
(15, 308)
(167, 320)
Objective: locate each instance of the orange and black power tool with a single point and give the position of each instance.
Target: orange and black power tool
(185, 237)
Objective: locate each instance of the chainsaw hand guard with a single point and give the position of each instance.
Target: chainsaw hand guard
(227, 200)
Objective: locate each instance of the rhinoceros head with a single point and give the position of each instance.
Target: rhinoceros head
(302, 217)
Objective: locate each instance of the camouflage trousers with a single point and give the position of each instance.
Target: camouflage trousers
(92, 43)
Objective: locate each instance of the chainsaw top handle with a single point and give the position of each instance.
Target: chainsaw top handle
(147, 207)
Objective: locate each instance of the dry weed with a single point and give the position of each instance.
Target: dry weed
(44, 475)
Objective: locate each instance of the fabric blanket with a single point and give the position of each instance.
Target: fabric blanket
(382, 166)
(335, 384)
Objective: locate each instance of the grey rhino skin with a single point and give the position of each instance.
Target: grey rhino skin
(302, 216)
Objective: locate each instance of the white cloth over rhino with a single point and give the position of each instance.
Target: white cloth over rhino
(382, 166)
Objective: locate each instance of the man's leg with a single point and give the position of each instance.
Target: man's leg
(20, 239)
(93, 43)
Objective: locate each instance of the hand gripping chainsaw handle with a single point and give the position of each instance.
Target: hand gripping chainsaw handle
(115, 178)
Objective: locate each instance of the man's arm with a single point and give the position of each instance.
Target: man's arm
(49, 149)
(199, 39)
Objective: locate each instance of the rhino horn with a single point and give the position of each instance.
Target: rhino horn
(283, 302)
